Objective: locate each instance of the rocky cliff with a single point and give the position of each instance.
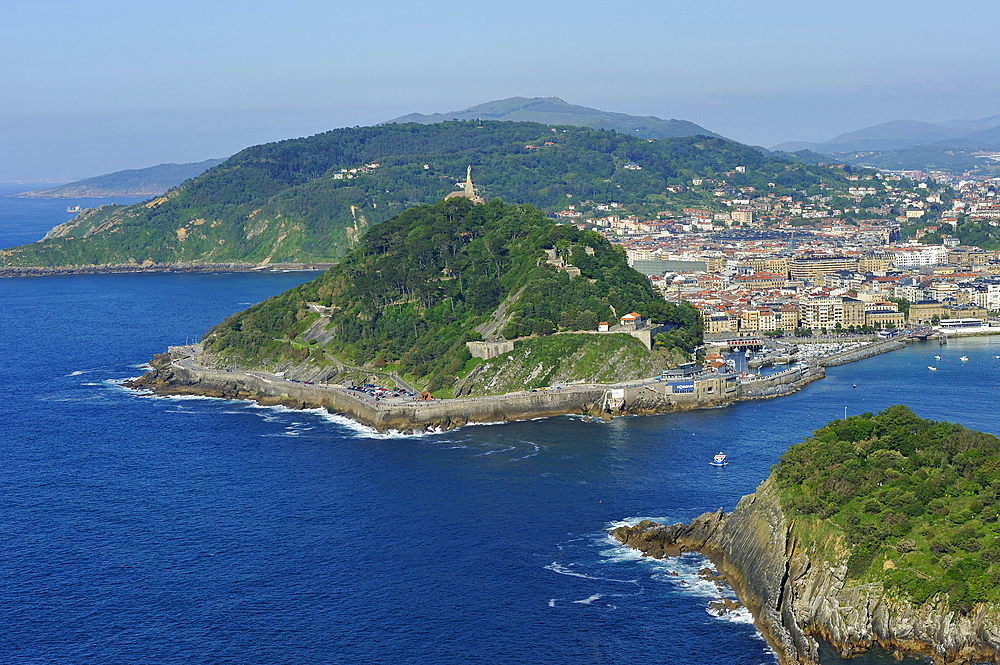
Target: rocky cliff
(797, 590)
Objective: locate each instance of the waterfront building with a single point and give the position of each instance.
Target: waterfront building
(925, 311)
(826, 313)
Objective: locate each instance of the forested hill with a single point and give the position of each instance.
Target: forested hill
(309, 199)
(916, 501)
(411, 294)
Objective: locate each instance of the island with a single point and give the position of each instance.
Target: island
(881, 529)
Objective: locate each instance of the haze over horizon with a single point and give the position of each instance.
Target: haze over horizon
(105, 86)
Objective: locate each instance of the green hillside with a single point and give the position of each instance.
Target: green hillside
(413, 291)
(915, 501)
(310, 199)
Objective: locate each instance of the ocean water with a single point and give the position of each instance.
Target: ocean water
(136, 528)
(23, 221)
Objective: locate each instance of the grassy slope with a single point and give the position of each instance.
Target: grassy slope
(544, 361)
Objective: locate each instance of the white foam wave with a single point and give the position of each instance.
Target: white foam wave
(534, 453)
(364, 431)
(739, 615)
(492, 422)
(555, 567)
(498, 450)
(632, 521)
(619, 553)
(119, 382)
(588, 601)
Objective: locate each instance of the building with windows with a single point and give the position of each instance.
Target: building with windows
(813, 268)
(826, 313)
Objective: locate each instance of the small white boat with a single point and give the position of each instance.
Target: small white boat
(937, 357)
(719, 460)
(964, 358)
(933, 369)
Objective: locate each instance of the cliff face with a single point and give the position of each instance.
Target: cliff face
(796, 595)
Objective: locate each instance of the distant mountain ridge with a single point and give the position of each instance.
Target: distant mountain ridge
(983, 134)
(555, 111)
(151, 181)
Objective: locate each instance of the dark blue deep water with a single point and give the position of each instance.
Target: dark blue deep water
(143, 529)
(23, 221)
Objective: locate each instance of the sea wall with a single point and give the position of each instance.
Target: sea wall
(176, 372)
(781, 383)
(795, 596)
(862, 353)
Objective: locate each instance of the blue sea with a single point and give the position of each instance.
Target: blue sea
(140, 529)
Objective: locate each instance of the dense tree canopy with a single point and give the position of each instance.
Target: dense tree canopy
(924, 494)
(303, 199)
(416, 287)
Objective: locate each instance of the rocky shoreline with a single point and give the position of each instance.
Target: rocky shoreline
(796, 597)
(150, 266)
(181, 371)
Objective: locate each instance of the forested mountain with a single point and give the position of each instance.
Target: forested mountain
(309, 199)
(413, 291)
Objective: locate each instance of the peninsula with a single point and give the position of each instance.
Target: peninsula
(878, 529)
(494, 311)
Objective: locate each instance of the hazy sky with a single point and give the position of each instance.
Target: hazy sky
(97, 86)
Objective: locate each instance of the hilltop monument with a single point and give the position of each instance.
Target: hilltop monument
(469, 192)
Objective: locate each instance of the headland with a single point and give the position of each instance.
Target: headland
(187, 370)
(836, 545)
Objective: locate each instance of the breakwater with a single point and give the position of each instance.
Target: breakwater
(180, 372)
(780, 383)
(863, 352)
